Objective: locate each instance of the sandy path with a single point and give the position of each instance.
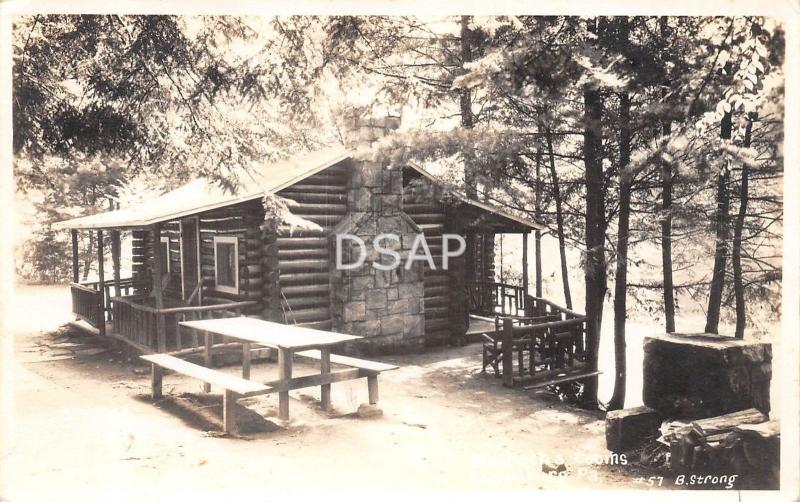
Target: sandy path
(83, 431)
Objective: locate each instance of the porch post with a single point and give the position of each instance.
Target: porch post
(537, 237)
(75, 270)
(470, 259)
(115, 245)
(101, 284)
(157, 288)
(525, 262)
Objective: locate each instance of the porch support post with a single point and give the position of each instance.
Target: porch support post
(157, 289)
(525, 262)
(537, 237)
(75, 269)
(115, 245)
(101, 283)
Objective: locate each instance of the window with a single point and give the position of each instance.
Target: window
(226, 264)
(165, 255)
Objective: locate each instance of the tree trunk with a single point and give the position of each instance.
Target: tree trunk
(722, 224)
(621, 277)
(666, 239)
(537, 234)
(736, 259)
(595, 259)
(465, 104)
(87, 258)
(562, 245)
(666, 220)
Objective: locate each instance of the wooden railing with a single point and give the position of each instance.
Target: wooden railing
(535, 306)
(543, 350)
(157, 330)
(496, 298)
(86, 305)
(127, 288)
(548, 341)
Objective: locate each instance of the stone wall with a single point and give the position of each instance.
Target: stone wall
(386, 307)
(705, 375)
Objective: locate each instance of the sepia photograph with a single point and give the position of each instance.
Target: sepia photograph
(280, 253)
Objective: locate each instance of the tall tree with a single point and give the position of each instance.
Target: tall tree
(595, 256)
(736, 258)
(722, 230)
(666, 206)
(621, 274)
(562, 245)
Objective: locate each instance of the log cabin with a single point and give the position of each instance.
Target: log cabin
(202, 252)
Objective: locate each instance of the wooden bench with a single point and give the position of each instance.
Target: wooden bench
(235, 388)
(368, 369)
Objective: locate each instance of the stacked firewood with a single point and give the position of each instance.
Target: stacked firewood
(745, 443)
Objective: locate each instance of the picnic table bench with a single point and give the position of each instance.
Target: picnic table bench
(289, 341)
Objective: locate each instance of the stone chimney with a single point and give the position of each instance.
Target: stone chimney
(383, 306)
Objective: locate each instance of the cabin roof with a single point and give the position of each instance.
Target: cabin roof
(499, 219)
(204, 194)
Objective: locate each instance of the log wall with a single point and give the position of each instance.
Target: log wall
(244, 222)
(421, 203)
(303, 256)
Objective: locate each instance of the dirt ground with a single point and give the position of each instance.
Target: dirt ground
(84, 428)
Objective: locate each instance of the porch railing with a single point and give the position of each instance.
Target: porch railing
(496, 298)
(157, 330)
(86, 303)
(543, 350)
(87, 299)
(538, 339)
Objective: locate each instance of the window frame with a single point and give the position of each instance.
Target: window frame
(165, 240)
(226, 239)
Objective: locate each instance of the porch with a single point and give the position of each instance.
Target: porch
(143, 311)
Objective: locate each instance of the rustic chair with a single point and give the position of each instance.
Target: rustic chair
(493, 346)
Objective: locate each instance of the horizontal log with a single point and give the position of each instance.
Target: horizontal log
(326, 180)
(436, 301)
(286, 231)
(304, 278)
(309, 209)
(290, 266)
(723, 423)
(433, 291)
(295, 254)
(437, 312)
(309, 315)
(305, 289)
(302, 242)
(433, 325)
(315, 188)
(324, 220)
(433, 228)
(314, 197)
(323, 325)
(305, 302)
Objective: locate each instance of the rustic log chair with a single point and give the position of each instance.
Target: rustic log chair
(493, 346)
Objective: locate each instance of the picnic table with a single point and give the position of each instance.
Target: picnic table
(289, 341)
